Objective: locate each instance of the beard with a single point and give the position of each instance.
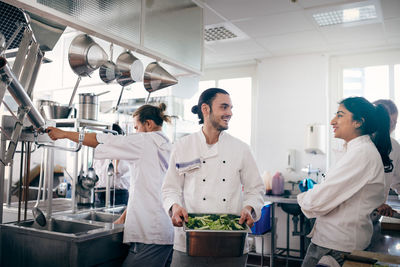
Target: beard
(216, 124)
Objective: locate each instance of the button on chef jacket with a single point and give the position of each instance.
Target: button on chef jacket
(148, 155)
(342, 204)
(222, 178)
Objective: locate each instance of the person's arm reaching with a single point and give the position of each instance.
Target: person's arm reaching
(55, 134)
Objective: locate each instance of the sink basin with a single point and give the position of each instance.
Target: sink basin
(60, 226)
(292, 209)
(63, 242)
(95, 216)
(118, 209)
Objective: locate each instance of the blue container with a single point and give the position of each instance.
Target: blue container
(264, 224)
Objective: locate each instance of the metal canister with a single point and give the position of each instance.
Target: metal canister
(88, 106)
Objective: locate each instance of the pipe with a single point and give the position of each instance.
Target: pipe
(19, 94)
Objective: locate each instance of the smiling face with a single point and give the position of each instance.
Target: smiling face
(344, 126)
(220, 113)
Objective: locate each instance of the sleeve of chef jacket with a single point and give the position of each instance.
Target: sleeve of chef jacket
(172, 189)
(350, 174)
(120, 147)
(395, 157)
(252, 184)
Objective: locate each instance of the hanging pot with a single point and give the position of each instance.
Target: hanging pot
(156, 78)
(84, 56)
(88, 105)
(130, 69)
(108, 71)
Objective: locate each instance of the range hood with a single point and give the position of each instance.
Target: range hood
(46, 33)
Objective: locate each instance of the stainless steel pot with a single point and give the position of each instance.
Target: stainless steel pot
(89, 105)
(156, 78)
(130, 69)
(84, 56)
(108, 71)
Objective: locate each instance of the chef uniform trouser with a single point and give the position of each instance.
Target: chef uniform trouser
(315, 253)
(181, 259)
(148, 255)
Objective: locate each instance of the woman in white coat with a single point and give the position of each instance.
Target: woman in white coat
(354, 187)
(392, 178)
(147, 227)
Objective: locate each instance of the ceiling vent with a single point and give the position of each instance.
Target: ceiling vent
(222, 32)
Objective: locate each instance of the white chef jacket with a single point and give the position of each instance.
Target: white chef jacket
(342, 204)
(393, 178)
(222, 178)
(148, 155)
(122, 174)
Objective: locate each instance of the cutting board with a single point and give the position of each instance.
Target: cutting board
(389, 223)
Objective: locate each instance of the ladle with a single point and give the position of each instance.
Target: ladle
(37, 213)
(110, 173)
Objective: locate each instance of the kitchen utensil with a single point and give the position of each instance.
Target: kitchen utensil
(51, 112)
(215, 243)
(37, 213)
(110, 174)
(90, 180)
(130, 69)
(84, 56)
(156, 78)
(108, 71)
(88, 106)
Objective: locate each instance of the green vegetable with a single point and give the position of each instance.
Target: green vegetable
(215, 222)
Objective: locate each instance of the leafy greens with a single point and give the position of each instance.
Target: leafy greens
(215, 222)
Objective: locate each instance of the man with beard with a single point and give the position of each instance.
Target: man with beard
(211, 172)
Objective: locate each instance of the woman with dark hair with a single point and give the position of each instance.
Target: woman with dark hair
(354, 187)
(392, 178)
(148, 228)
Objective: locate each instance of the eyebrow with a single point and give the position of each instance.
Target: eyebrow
(340, 112)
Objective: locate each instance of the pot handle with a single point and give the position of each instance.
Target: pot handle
(71, 149)
(74, 91)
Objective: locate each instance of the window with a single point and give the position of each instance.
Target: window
(240, 91)
(373, 83)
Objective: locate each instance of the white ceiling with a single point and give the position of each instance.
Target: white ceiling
(285, 27)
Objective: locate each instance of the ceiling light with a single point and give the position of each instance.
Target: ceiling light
(222, 32)
(360, 12)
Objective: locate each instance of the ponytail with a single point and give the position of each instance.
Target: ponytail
(375, 122)
(381, 137)
(150, 112)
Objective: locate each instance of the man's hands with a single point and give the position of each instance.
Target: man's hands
(121, 219)
(245, 216)
(55, 133)
(385, 210)
(179, 214)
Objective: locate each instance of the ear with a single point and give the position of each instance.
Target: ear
(205, 109)
(359, 123)
(149, 124)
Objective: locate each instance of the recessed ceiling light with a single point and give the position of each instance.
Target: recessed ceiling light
(222, 32)
(359, 12)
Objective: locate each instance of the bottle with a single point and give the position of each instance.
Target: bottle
(277, 184)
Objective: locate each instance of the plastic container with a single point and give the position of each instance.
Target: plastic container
(267, 243)
(264, 224)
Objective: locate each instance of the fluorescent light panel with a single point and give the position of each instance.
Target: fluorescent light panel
(354, 14)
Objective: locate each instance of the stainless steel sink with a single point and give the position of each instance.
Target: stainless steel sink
(63, 242)
(60, 226)
(96, 216)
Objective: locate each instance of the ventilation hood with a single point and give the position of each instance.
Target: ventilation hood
(45, 32)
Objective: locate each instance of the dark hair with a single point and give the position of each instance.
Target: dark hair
(206, 97)
(118, 129)
(388, 104)
(150, 112)
(375, 121)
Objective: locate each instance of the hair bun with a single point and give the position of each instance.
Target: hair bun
(162, 106)
(195, 109)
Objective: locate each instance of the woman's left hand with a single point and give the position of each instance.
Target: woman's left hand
(385, 210)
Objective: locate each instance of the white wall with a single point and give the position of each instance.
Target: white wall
(291, 94)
